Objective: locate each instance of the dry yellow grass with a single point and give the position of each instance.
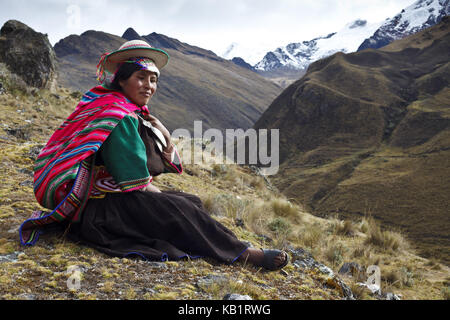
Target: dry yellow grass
(233, 195)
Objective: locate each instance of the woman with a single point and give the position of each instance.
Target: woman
(95, 174)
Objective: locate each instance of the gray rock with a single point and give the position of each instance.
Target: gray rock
(28, 54)
(26, 296)
(302, 264)
(14, 229)
(392, 296)
(158, 265)
(299, 253)
(148, 290)
(325, 270)
(22, 132)
(265, 239)
(304, 260)
(211, 279)
(6, 138)
(346, 291)
(26, 171)
(11, 257)
(235, 296)
(350, 268)
(26, 183)
(34, 151)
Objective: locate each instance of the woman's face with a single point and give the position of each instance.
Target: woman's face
(140, 87)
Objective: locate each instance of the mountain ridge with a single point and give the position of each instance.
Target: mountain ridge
(414, 18)
(287, 59)
(195, 85)
(355, 132)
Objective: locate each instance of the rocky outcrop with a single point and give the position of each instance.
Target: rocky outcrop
(131, 34)
(241, 62)
(303, 260)
(28, 54)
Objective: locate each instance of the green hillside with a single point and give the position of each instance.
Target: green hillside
(367, 134)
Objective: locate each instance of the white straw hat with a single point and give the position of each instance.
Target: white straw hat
(130, 49)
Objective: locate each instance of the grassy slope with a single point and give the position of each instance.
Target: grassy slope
(232, 194)
(368, 134)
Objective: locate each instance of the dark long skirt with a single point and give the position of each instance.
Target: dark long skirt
(157, 226)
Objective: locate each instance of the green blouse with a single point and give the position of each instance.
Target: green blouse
(124, 155)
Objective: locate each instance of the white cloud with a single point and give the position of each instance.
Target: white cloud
(211, 24)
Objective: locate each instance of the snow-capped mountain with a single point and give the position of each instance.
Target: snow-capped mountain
(251, 53)
(297, 56)
(418, 16)
(355, 36)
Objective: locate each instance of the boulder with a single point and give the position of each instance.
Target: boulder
(28, 54)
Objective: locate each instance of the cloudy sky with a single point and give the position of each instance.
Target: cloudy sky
(211, 24)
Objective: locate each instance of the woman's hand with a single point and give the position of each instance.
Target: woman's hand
(158, 125)
(150, 188)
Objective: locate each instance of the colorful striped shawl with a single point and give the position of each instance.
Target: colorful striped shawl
(63, 170)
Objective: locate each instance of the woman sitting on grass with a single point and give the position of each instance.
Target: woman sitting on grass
(96, 174)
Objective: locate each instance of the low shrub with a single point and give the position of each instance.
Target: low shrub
(385, 240)
(283, 208)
